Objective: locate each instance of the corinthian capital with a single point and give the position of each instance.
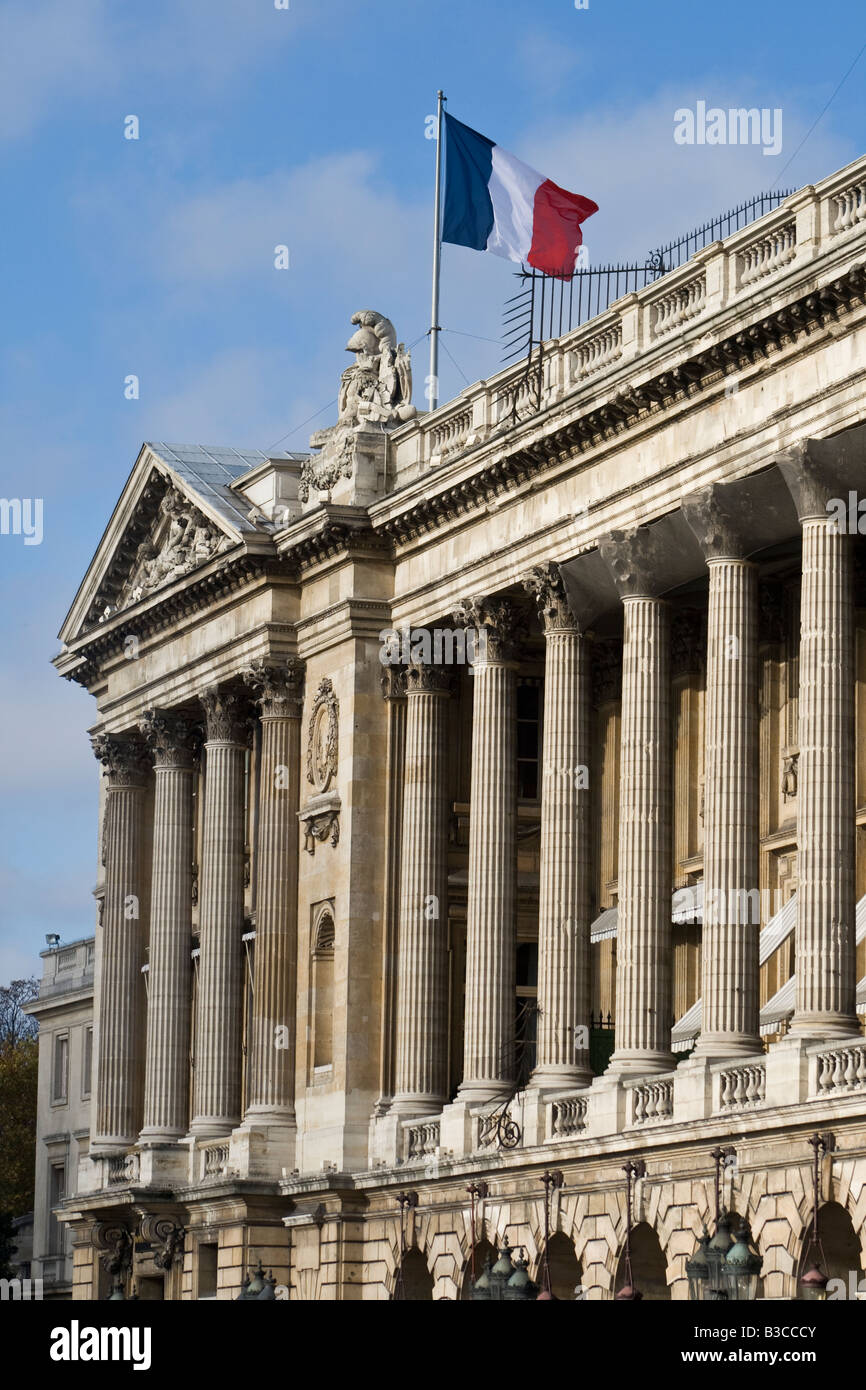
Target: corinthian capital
(227, 715)
(722, 521)
(635, 560)
(393, 683)
(427, 679)
(277, 687)
(173, 739)
(124, 758)
(501, 622)
(545, 584)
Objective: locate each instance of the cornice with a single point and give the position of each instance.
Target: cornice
(625, 408)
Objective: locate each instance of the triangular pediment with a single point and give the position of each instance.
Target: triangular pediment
(175, 515)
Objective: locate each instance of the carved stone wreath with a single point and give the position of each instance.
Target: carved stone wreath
(322, 737)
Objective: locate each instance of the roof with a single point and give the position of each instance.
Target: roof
(210, 471)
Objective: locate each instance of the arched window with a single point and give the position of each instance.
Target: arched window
(323, 991)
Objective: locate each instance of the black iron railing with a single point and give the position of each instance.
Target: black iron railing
(546, 308)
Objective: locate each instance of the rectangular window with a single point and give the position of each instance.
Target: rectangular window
(207, 1271)
(60, 1079)
(56, 1193)
(86, 1062)
(528, 740)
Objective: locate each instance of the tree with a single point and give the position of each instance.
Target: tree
(15, 1024)
(19, 1067)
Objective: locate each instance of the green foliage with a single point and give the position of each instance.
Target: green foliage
(19, 1066)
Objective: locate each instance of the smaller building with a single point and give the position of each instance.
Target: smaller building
(64, 1009)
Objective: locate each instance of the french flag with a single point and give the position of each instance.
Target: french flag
(495, 202)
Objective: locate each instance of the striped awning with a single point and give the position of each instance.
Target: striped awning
(781, 1007)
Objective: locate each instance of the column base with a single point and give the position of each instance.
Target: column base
(412, 1105)
(482, 1092)
(152, 1136)
(821, 1027)
(162, 1163)
(629, 1062)
(260, 1148)
(718, 1047)
(560, 1078)
(211, 1127)
(108, 1146)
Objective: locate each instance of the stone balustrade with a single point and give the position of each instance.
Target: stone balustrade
(740, 1087)
(567, 1117)
(683, 302)
(767, 254)
(810, 222)
(120, 1170)
(650, 1102)
(213, 1160)
(421, 1139)
(839, 1069)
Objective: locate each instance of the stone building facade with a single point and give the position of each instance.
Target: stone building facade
(64, 1010)
(484, 793)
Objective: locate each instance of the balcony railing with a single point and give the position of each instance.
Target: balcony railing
(718, 275)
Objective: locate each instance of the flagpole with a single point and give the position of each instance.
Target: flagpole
(433, 378)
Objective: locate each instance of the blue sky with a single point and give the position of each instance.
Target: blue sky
(303, 127)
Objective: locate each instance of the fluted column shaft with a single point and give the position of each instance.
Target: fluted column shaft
(731, 923)
(422, 961)
(166, 1088)
(489, 1023)
(217, 1081)
(120, 1005)
(825, 823)
(394, 693)
(271, 1087)
(564, 996)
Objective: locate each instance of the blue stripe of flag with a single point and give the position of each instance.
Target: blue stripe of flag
(468, 213)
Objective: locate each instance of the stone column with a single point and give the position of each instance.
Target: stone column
(172, 740)
(564, 997)
(394, 693)
(271, 1086)
(120, 1019)
(422, 952)
(825, 998)
(489, 1038)
(731, 915)
(643, 971)
(217, 1075)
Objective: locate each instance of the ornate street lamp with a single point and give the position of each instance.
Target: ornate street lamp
(505, 1281)
(723, 1268)
(259, 1286)
(813, 1283)
(552, 1183)
(742, 1266)
(635, 1168)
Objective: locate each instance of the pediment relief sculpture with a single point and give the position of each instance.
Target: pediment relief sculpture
(181, 540)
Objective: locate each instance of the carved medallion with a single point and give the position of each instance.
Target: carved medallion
(323, 738)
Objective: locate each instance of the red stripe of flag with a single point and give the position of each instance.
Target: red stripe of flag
(556, 234)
